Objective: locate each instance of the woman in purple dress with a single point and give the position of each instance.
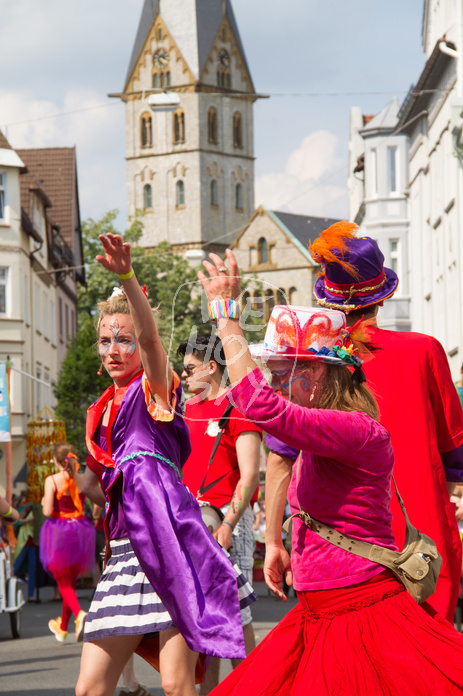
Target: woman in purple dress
(168, 591)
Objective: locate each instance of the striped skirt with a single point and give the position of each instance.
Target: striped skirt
(125, 603)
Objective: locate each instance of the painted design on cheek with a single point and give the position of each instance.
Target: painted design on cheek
(125, 342)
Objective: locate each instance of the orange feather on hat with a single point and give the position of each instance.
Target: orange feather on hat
(333, 240)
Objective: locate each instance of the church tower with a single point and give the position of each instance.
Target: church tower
(191, 171)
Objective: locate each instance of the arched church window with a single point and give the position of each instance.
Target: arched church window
(281, 297)
(163, 80)
(155, 81)
(180, 194)
(292, 296)
(237, 130)
(179, 127)
(212, 126)
(214, 193)
(262, 251)
(146, 130)
(168, 80)
(147, 197)
(269, 304)
(238, 197)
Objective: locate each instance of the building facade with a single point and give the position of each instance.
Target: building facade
(272, 254)
(190, 172)
(378, 203)
(39, 249)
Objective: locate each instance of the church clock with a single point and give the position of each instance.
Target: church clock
(161, 59)
(224, 58)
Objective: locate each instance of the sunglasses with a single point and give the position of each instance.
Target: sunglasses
(189, 369)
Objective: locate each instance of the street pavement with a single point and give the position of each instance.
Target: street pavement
(37, 665)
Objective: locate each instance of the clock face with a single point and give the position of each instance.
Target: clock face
(161, 58)
(224, 58)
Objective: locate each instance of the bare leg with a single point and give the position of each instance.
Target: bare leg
(249, 642)
(177, 664)
(211, 678)
(101, 664)
(129, 680)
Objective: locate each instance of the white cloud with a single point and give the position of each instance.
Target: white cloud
(312, 182)
(93, 124)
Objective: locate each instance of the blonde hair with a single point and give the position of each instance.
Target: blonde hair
(341, 394)
(116, 304)
(61, 452)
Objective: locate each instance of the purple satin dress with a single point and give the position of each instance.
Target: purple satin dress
(181, 559)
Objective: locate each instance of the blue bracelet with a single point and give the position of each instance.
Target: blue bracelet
(230, 525)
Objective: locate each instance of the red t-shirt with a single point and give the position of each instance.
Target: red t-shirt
(202, 418)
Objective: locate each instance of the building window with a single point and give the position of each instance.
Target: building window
(73, 323)
(269, 303)
(214, 193)
(66, 318)
(45, 314)
(3, 289)
(392, 169)
(60, 319)
(156, 81)
(146, 131)
(46, 390)
(212, 126)
(292, 296)
(2, 195)
(237, 130)
(180, 194)
(179, 127)
(160, 34)
(394, 249)
(38, 326)
(52, 323)
(163, 80)
(281, 296)
(262, 251)
(374, 174)
(39, 389)
(239, 197)
(147, 197)
(27, 318)
(168, 78)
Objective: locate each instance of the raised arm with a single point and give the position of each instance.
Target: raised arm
(117, 259)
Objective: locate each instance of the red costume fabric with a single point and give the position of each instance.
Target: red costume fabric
(410, 378)
(202, 417)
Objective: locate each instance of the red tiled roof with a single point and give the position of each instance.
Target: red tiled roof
(4, 144)
(53, 169)
(367, 118)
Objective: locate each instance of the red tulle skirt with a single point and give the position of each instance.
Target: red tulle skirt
(370, 639)
(67, 542)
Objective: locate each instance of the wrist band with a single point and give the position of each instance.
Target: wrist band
(7, 514)
(126, 276)
(230, 525)
(223, 309)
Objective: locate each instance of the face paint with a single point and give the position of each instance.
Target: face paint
(123, 340)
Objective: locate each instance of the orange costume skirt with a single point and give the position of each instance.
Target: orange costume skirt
(370, 639)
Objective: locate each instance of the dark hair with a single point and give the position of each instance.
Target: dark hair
(357, 314)
(205, 347)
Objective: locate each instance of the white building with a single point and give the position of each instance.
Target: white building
(431, 118)
(378, 178)
(38, 211)
(190, 172)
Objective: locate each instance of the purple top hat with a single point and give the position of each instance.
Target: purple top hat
(339, 289)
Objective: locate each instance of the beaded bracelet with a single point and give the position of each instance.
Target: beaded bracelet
(126, 276)
(223, 309)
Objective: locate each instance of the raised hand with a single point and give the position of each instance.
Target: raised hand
(220, 284)
(117, 256)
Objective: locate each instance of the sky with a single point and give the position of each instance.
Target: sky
(316, 58)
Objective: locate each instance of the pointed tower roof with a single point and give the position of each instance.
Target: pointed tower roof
(193, 24)
(386, 120)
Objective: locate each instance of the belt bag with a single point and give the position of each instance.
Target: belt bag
(417, 566)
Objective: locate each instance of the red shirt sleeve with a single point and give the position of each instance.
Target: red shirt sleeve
(447, 411)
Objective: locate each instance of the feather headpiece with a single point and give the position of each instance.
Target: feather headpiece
(331, 247)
